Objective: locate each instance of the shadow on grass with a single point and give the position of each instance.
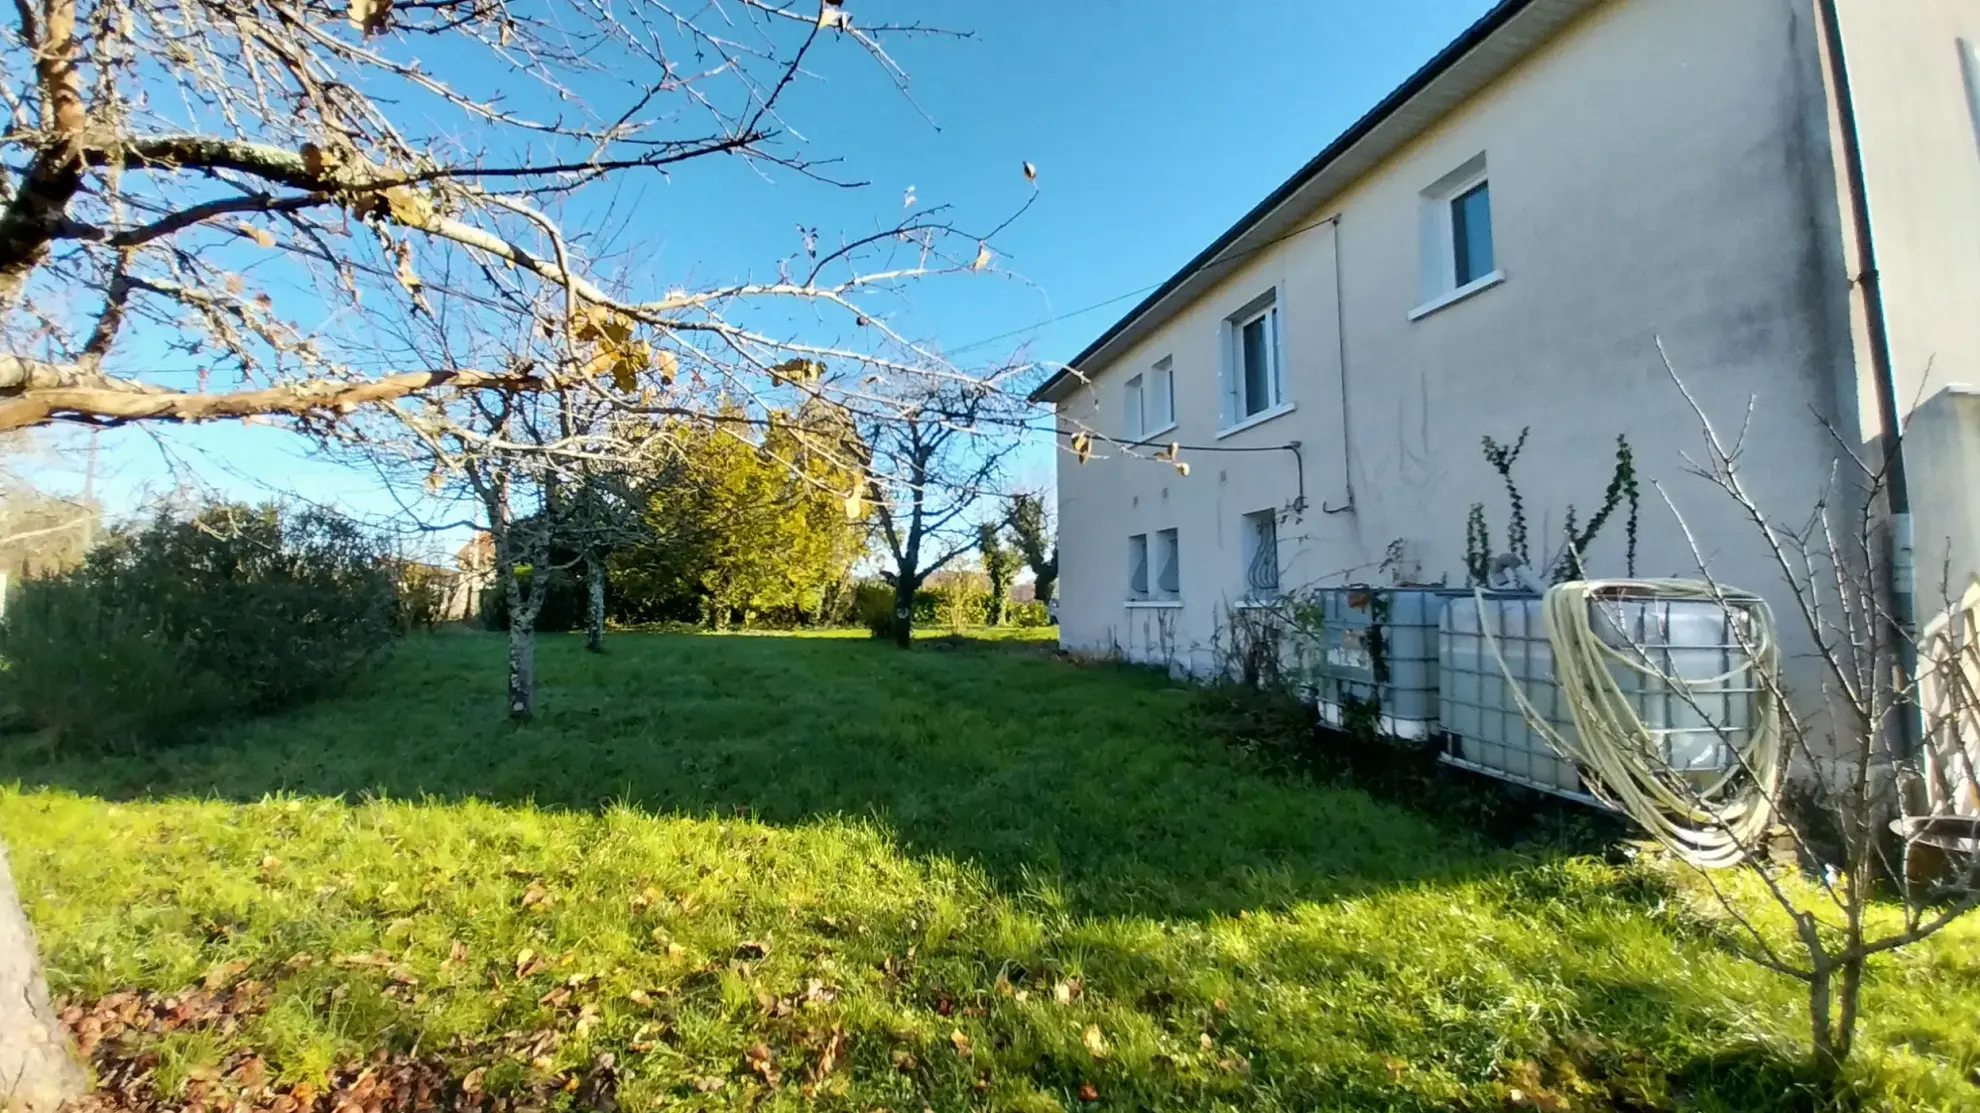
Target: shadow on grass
(1098, 789)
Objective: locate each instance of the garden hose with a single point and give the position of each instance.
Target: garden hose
(1711, 825)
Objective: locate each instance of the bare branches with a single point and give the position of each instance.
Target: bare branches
(1888, 814)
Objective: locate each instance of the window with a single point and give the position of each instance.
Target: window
(1471, 233)
(1138, 566)
(1261, 555)
(1148, 403)
(1254, 381)
(1159, 409)
(1168, 564)
(1459, 256)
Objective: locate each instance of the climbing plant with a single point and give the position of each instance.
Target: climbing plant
(1622, 488)
(1623, 491)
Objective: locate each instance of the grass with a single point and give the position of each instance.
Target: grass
(782, 873)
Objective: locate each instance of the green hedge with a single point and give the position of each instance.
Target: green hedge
(182, 620)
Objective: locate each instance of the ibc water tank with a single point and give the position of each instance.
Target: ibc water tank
(1695, 724)
(1373, 649)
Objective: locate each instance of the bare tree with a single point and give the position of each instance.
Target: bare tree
(263, 192)
(1881, 817)
(926, 471)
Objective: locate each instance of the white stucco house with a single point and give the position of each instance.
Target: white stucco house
(1503, 243)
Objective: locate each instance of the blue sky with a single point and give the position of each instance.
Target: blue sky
(1153, 123)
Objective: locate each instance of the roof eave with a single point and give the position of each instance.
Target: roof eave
(1507, 34)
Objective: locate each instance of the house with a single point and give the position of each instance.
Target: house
(1503, 244)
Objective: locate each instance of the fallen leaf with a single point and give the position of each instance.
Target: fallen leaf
(472, 1083)
(1396, 1067)
(1206, 1041)
(224, 975)
(641, 998)
(709, 1085)
(961, 1043)
(1087, 1092)
(1096, 1043)
(833, 1051)
(1066, 991)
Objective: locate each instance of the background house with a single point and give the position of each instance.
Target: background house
(1502, 244)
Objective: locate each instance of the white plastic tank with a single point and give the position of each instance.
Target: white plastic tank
(1369, 657)
(1696, 728)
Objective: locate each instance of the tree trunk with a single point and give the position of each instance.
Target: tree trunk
(522, 666)
(903, 614)
(1821, 1032)
(594, 613)
(1042, 591)
(37, 1070)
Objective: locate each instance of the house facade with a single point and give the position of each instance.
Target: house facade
(1519, 238)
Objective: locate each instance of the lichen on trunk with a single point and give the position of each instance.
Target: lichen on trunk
(594, 610)
(36, 1067)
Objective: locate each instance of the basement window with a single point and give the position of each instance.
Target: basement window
(1138, 566)
(1168, 565)
(1261, 555)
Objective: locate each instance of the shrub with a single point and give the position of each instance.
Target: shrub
(873, 607)
(1032, 614)
(187, 619)
(563, 608)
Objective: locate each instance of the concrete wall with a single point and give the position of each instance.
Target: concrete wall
(1655, 173)
(1921, 154)
(1942, 451)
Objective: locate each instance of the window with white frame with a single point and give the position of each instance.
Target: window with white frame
(1254, 378)
(1159, 398)
(1148, 402)
(1459, 256)
(1168, 564)
(1261, 555)
(1138, 566)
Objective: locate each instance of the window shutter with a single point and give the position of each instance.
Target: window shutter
(1229, 372)
(1131, 410)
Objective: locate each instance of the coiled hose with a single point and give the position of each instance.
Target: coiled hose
(1711, 823)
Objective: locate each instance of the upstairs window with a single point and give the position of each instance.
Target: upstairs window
(1460, 256)
(1168, 564)
(1254, 378)
(1148, 403)
(1261, 555)
(1471, 233)
(1159, 407)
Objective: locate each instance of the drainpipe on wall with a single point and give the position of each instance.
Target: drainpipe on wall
(1900, 561)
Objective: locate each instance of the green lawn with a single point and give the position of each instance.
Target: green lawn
(782, 873)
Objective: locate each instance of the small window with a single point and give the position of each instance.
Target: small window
(1253, 379)
(1159, 406)
(1261, 555)
(1460, 257)
(1138, 566)
(1471, 233)
(1168, 564)
(1131, 410)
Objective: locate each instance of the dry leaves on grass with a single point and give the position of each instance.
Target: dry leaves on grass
(120, 1034)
